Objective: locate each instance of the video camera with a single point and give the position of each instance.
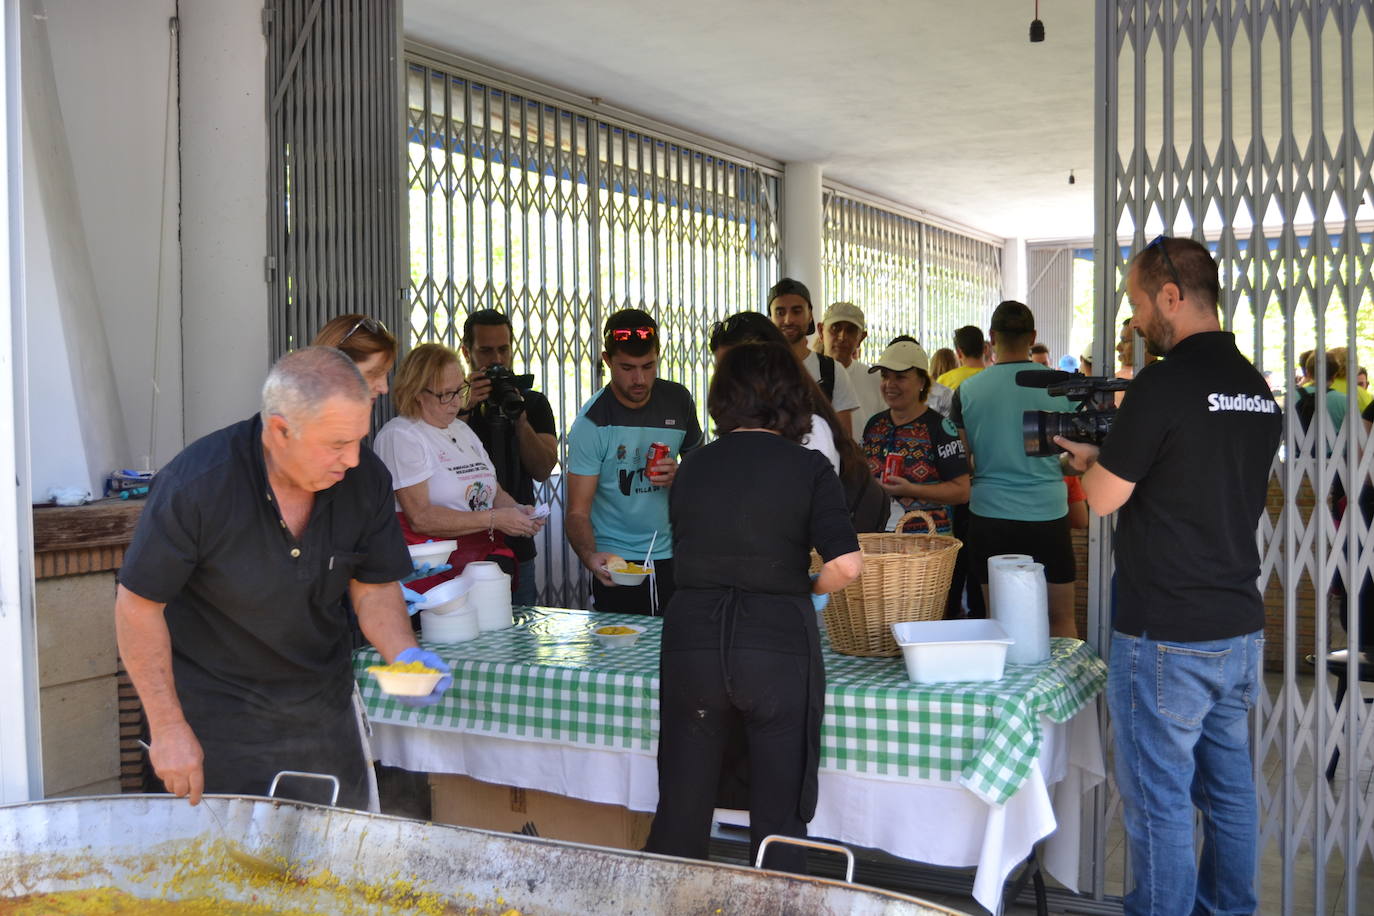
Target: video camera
(507, 396)
(1091, 422)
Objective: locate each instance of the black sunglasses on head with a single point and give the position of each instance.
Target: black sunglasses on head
(1159, 243)
(372, 325)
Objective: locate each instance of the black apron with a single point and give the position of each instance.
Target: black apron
(726, 609)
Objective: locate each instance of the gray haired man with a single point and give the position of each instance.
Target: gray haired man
(229, 612)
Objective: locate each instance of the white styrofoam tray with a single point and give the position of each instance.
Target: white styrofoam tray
(936, 651)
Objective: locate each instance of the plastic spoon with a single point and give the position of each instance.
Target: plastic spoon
(648, 557)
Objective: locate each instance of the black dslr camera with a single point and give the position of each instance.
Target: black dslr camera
(1091, 422)
(507, 391)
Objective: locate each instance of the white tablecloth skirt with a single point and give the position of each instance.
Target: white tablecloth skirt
(926, 821)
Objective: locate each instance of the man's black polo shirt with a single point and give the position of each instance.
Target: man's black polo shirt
(260, 637)
(540, 415)
(1196, 433)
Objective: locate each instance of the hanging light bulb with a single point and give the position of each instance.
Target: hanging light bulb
(1037, 29)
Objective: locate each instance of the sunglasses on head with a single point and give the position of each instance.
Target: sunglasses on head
(623, 334)
(1159, 243)
(728, 325)
(372, 325)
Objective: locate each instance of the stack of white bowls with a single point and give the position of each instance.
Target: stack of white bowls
(490, 594)
(446, 614)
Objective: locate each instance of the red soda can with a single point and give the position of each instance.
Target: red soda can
(892, 469)
(656, 453)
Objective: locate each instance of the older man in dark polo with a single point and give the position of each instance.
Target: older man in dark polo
(229, 611)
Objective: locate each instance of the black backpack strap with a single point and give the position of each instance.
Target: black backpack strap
(1306, 406)
(827, 376)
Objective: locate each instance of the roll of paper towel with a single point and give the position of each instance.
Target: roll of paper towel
(1020, 603)
(994, 563)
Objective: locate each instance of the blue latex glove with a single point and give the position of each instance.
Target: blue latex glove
(429, 660)
(425, 570)
(412, 598)
(818, 601)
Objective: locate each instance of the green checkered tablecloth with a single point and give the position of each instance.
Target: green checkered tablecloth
(548, 679)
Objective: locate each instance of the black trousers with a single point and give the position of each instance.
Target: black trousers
(634, 599)
(962, 582)
(699, 716)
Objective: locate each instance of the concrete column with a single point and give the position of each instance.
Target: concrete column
(802, 220)
(1014, 281)
(224, 211)
(21, 775)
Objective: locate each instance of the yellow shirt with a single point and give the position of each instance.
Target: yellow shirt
(954, 377)
(1362, 396)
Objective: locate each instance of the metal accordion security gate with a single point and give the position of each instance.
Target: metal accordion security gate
(558, 216)
(1249, 125)
(334, 167)
(909, 275)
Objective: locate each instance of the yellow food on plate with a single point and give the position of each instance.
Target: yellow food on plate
(404, 668)
(616, 631)
(632, 569)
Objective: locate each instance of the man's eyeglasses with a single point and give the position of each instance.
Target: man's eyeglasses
(1159, 243)
(372, 325)
(623, 334)
(445, 397)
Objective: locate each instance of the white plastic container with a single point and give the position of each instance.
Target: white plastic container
(489, 594)
(937, 651)
(433, 553)
(455, 626)
(618, 640)
(405, 683)
(446, 597)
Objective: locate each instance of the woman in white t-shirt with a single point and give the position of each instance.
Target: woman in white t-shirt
(445, 483)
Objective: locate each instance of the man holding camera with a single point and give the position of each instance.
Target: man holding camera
(1187, 463)
(514, 423)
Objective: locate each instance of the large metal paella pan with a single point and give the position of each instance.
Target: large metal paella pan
(345, 862)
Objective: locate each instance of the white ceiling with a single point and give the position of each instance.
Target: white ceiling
(942, 105)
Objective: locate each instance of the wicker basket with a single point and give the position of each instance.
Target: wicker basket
(905, 577)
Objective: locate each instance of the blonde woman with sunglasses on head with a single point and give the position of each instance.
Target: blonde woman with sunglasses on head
(445, 483)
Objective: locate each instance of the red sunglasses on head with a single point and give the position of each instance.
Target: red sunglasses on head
(624, 334)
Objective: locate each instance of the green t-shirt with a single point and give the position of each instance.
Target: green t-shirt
(1006, 482)
(610, 441)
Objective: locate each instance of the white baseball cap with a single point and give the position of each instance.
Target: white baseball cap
(845, 311)
(901, 356)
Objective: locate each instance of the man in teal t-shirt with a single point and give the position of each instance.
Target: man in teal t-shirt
(617, 505)
(1017, 504)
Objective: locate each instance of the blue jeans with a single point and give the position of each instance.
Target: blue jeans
(1180, 712)
(526, 592)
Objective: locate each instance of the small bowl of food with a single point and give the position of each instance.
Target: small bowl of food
(432, 553)
(406, 679)
(618, 636)
(623, 573)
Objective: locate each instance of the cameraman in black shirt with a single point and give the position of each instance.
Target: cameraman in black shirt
(514, 422)
(1187, 462)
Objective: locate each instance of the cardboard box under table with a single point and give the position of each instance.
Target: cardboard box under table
(542, 706)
